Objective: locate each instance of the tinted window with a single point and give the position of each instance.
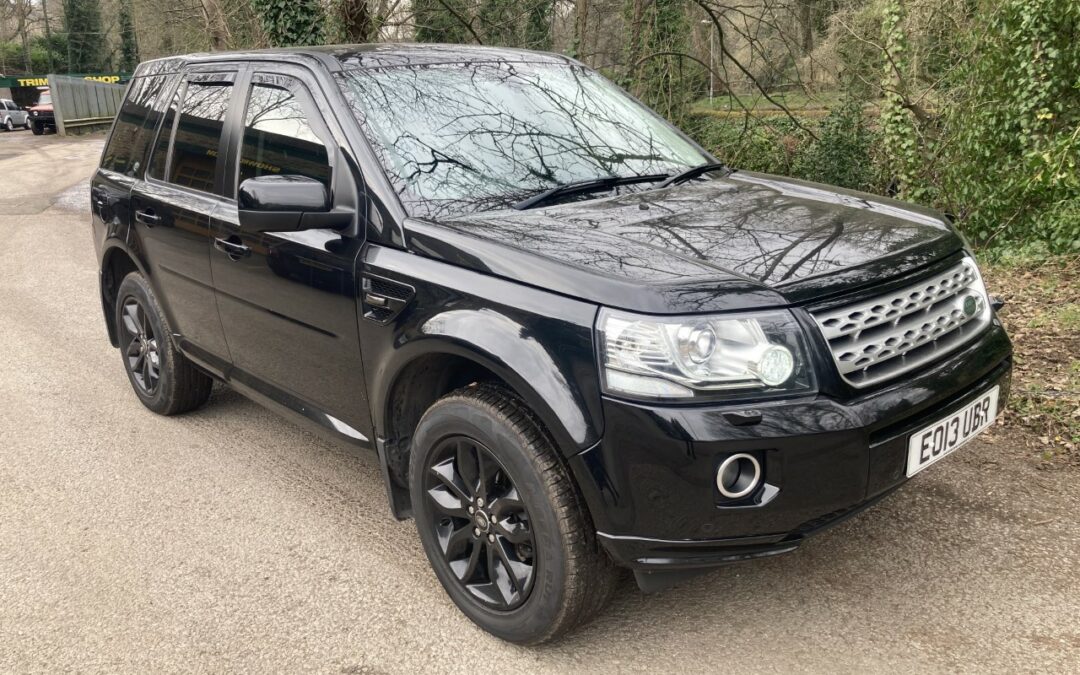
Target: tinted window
(161, 148)
(467, 137)
(278, 135)
(11, 105)
(134, 129)
(198, 132)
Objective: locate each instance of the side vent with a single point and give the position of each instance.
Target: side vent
(383, 299)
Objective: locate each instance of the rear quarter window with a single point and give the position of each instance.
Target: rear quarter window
(134, 129)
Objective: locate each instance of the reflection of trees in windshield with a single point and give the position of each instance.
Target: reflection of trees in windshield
(466, 137)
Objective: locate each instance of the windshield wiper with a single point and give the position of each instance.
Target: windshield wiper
(585, 186)
(692, 173)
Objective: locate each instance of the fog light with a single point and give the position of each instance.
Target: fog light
(738, 476)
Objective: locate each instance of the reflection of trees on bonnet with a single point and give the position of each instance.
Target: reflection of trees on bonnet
(462, 138)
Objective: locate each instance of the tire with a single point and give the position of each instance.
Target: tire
(26, 124)
(9, 124)
(162, 377)
(566, 580)
(38, 129)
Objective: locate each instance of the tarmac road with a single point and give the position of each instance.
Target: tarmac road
(230, 540)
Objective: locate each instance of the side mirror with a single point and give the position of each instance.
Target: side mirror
(287, 204)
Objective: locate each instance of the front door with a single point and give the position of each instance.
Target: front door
(288, 301)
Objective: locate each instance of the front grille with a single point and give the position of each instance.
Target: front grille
(877, 339)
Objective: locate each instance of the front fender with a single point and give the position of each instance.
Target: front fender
(539, 343)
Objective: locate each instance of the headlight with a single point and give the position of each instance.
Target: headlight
(707, 356)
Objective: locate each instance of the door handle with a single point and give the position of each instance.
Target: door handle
(147, 217)
(234, 249)
(376, 300)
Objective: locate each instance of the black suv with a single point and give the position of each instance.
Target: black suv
(576, 341)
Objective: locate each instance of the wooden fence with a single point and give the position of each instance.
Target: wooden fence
(83, 105)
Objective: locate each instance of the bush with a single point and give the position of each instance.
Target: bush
(1010, 165)
(843, 154)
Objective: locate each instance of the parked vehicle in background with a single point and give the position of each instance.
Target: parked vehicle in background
(41, 114)
(13, 117)
(575, 339)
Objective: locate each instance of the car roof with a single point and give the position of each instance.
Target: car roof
(349, 57)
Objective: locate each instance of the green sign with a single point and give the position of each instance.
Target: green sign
(43, 80)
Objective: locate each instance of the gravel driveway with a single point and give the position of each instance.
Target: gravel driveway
(230, 540)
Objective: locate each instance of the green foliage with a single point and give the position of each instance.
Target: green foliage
(289, 23)
(660, 29)
(441, 21)
(85, 36)
(842, 155)
(770, 145)
(1012, 169)
(537, 32)
(46, 55)
(498, 22)
(899, 136)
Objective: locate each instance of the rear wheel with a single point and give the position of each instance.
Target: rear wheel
(162, 377)
(501, 520)
(9, 124)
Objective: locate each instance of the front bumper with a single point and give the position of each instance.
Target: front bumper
(649, 483)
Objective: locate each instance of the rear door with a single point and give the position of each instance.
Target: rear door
(171, 209)
(288, 300)
(123, 161)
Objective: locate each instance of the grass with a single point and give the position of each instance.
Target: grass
(1042, 315)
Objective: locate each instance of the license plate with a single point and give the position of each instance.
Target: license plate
(942, 437)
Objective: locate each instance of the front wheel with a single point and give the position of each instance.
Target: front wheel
(501, 520)
(38, 129)
(26, 124)
(162, 377)
(9, 124)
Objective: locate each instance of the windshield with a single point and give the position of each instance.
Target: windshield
(459, 138)
(45, 98)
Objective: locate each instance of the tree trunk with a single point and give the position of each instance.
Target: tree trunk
(806, 24)
(48, 34)
(216, 27)
(581, 24)
(22, 7)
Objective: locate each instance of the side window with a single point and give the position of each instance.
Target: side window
(198, 133)
(134, 129)
(11, 105)
(283, 134)
(161, 148)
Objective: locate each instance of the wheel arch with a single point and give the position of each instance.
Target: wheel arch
(116, 263)
(423, 371)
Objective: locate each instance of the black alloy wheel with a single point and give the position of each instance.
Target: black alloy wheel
(161, 376)
(140, 345)
(500, 517)
(480, 522)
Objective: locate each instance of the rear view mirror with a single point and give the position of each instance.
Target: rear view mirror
(287, 204)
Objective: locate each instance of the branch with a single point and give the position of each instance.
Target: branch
(461, 19)
(724, 50)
